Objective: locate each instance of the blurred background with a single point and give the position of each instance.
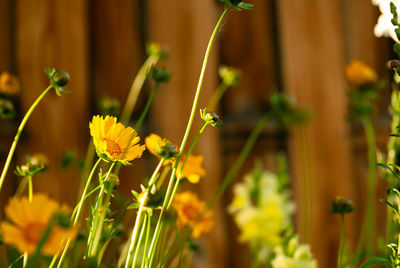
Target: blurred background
(300, 47)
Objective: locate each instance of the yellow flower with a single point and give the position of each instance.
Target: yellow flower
(28, 222)
(9, 84)
(114, 141)
(193, 169)
(358, 73)
(160, 147)
(192, 212)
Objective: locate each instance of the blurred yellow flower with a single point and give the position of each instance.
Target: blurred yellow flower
(193, 169)
(358, 73)
(160, 147)
(9, 84)
(28, 221)
(114, 141)
(192, 212)
(293, 255)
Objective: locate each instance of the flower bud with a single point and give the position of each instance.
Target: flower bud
(159, 75)
(230, 76)
(342, 205)
(7, 110)
(156, 50)
(211, 118)
(393, 64)
(34, 165)
(359, 74)
(61, 78)
(110, 106)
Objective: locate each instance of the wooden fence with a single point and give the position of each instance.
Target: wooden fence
(298, 46)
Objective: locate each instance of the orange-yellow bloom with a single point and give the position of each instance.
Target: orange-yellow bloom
(114, 141)
(192, 212)
(358, 73)
(193, 169)
(9, 84)
(28, 221)
(160, 147)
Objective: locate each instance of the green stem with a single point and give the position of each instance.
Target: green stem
(146, 108)
(139, 240)
(80, 204)
(216, 97)
(30, 187)
(370, 215)
(188, 128)
(21, 187)
(183, 164)
(240, 160)
(340, 255)
(97, 215)
(143, 201)
(136, 88)
(17, 136)
(146, 243)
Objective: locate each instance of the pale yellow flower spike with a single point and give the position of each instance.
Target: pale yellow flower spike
(114, 141)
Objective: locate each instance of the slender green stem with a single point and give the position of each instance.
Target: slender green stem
(80, 204)
(21, 187)
(146, 242)
(240, 160)
(216, 97)
(135, 256)
(25, 260)
(136, 88)
(370, 215)
(186, 136)
(102, 213)
(53, 261)
(19, 131)
(146, 107)
(143, 202)
(97, 215)
(163, 176)
(183, 164)
(341, 245)
(30, 187)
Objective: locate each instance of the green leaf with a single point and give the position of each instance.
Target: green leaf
(374, 260)
(390, 205)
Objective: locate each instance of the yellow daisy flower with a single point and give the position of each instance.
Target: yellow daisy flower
(358, 73)
(9, 84)
(193, 169)
(28, 221)
(114, 141)
(189, 208)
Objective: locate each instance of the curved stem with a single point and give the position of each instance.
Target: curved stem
(240, 160)
(136, 88)
(80, 204)
(146, 108)
(139, 240)
(186, 135)
(216, 97)
(17, 136)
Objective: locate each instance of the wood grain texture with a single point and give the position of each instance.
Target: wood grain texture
(54, 33)
(184, 28)
(247, 43)
(116, 56)
(313, 61)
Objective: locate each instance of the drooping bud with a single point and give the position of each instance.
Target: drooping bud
(61, 78)
(7, 109)
(211, 118)
(159, 75)
(342, 205)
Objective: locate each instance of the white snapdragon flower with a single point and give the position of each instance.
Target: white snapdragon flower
(384, 27)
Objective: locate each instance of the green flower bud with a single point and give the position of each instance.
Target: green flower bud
(159, 75)
(110, 106)
(230, 76)
(211, 118)
(341, 205)
(61, 78)
(156, 50)
(34, 165)
(7, 110)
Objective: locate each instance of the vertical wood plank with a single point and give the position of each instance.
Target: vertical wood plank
(247, 43)
(54, 33)
(313, 61)
(116, 56)
(185, 27)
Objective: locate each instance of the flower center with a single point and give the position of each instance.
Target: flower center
(33, 232)
(113, 148)
(190, 212)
